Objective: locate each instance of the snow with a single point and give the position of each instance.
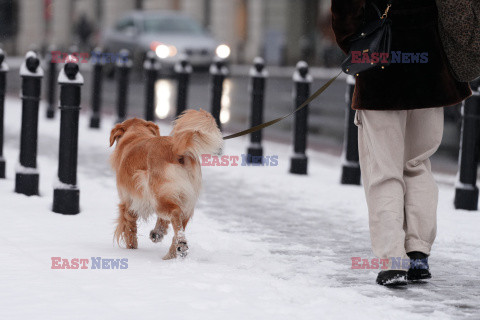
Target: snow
(179, 68)
(297, 77)
(63, 79)
(214, 70)
(24, 72)
(253, 72)
(264, 244)
(25, 170)
(57, 184)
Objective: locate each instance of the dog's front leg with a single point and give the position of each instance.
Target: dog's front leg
(179, 245)
(161, 228)
(126, 230)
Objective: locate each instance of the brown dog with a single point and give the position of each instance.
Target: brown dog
(161, 174)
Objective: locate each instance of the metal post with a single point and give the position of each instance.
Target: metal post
(183, 69)
(139, 4)
(124, 64)
(258, 74)
(302, 79)
(207, 13)
(219, 71)
(466, 190)
(97, 83)
(26, 179)
(3, 84)
(350, 162)
(51, 84)
(66, 194)
(151, 67)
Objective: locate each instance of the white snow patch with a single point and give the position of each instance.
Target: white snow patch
(25, 170)
(57, 184)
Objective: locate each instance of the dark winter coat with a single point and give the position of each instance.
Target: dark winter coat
(401, 86)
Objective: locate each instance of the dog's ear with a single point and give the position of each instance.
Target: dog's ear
(153, 128)
(117, 132)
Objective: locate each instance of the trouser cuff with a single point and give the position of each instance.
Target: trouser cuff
(418, 245)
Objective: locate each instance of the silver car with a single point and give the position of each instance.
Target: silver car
(169, 34)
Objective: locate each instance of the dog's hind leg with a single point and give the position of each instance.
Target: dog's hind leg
(184, 223)
(161, 228)
(179, 245)
(126, 230)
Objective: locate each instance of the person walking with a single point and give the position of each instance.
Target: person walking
(84, 31)
(399, 114)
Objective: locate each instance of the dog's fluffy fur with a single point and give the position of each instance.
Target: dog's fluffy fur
(161, 174)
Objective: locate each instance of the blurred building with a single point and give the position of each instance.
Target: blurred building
(283, 31)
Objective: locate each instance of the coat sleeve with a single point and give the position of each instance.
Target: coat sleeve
(347, 18)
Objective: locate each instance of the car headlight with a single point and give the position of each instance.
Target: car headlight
(164, 51)
(223, 51)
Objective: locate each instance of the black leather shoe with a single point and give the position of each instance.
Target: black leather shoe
(419, 269)
(392, 278)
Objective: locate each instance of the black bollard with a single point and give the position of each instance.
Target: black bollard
(219, 71)
(258, 75)
(3, 84)
(466, 190)
(97, 83)
(350, 162)
(151, 67)
(124, 64)
(66, 194)
(51, 83)
(183, 69)
(302, 79)
(26, 178)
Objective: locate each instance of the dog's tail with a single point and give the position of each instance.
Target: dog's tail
(196, 133)
(196, 143)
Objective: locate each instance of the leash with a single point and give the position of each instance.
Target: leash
(272, 122)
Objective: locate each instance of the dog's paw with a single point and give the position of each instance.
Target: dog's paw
(177, 249)
(131, 242)
(182, 248)
(155, 236)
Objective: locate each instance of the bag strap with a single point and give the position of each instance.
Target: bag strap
(376, 9)
(385, 14)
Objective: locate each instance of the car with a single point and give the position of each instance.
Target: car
(169, 34)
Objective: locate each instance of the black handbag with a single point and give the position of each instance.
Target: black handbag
(370, 48)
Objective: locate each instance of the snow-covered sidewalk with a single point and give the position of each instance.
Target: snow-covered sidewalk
(264, 244)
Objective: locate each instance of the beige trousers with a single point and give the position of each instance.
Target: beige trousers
(402, 196)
